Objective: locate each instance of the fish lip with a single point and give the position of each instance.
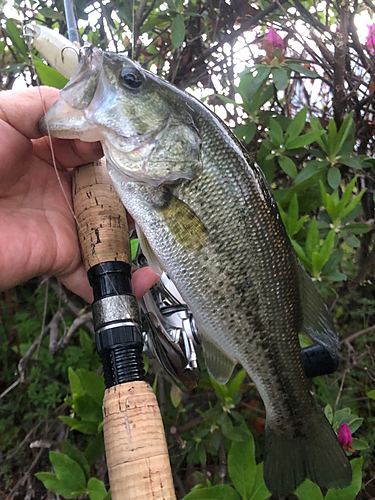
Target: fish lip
(139, 142)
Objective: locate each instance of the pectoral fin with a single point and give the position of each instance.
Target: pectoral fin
(317, 321)
(148, 252)
(219, 365)
(184, 225)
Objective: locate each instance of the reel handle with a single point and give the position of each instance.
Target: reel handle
(135, 444)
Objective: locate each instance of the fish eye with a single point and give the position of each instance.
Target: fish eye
(131, 78)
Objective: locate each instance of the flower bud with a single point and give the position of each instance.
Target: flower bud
(345, 436)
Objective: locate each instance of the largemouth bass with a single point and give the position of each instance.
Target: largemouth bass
(206, 216)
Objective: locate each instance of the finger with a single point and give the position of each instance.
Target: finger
(78, 283)
(22, 109)
(142, 280)
(14, 150)
(68, 153)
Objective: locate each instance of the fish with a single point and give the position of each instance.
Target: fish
(206, 216)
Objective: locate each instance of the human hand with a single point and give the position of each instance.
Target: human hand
(38, 233)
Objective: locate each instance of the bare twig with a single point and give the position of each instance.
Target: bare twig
(354, 336)
(77, 323)
(25, 476)
(57, 317)
(341, 49)
(253, 21)
(341, 388)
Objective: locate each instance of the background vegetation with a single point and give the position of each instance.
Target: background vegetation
(295, 80)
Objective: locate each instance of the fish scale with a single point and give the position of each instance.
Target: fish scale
(205, 214)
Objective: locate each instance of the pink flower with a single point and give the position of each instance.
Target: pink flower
(275, 39)
(370, 39)
(345, 436)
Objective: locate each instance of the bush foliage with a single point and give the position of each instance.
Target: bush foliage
(295, 81)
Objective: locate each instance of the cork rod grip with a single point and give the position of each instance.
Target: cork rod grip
(136, 449)
(101, 217)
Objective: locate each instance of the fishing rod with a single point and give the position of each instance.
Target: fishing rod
(135, 445)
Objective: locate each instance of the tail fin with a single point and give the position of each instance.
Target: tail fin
(315, 454)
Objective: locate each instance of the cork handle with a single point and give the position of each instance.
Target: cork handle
(101, 217)
(136, 449)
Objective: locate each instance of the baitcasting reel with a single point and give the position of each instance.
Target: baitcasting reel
(170, 335)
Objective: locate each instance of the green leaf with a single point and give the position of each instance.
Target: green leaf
(371, 394)
(292, 215)
(327, 247)
(351, 491)
(334, 177)
(234, 385)
(280, 78)
(49, 76)
(304, 140)
(346, 197)
(288, 166)
(301, 254)
(296, 126)
(238, 435)
(301, 69)
(73, 453)
(75, 384)
(355, 424)
(246, 132)
(328, 412)
(342, 416)
(221, 390)
(242, 467)
(335, 276)
(310, 169)
(178, 31)
(323, 139)
(14, 34)
(88, 409)
(86, 427)
(96, 489)
(353, 241)
(70, 422)
(359, 444)
(309, 491)
(260, 491)
(95, 449)
(134, 243)
(202, 454)
(343, 132)
(92, 384)
(356, 228)
(351, 162)
(68, 472)
(262, 74)
(275, 133)
(332, 133)
(52, 483)
(333, 261)
(312, 238)
(2, 46)
(176, 394)
(219, 492)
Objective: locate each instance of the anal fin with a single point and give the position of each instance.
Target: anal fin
(219, 365)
